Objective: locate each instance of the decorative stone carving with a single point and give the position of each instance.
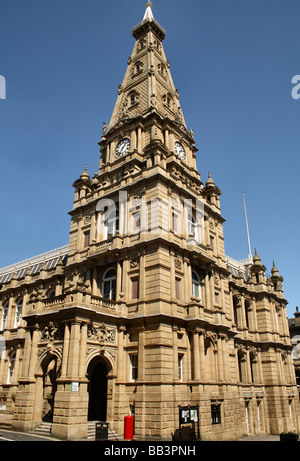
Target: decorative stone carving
(134, 263)
(102, 334)
(136, 201)
(216, 280)
(51, 333)
(178, 264)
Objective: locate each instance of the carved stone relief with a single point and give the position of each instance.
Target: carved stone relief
(102, 334)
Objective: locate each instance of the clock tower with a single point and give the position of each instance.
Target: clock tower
(147, 117)
(142, 313)
(161, 269)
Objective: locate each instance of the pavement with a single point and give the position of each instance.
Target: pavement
(260, 438)
(6, 420)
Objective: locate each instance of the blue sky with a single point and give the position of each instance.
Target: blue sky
(233, 62)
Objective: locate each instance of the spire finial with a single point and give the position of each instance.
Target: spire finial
(148, 14)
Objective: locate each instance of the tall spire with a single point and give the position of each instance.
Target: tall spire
(147, 85)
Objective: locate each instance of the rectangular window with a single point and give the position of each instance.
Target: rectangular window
(4, 317)
(175, 223)
(177, 287)
(133, 367)
(216, 414)
(180, 367)
(211, 242)
(86, 239)
(216, 298)
(135, 287)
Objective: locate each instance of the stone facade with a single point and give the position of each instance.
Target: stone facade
(143, 311)
(294, 326)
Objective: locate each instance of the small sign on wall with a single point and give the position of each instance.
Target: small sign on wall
(74, 387)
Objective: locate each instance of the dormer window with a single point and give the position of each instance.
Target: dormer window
(138, 66)
(162, 70)
(168, 101)
(133, 98)
(157, 45)
(142, 44)
(137, 69)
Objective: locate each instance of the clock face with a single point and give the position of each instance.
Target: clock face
(123, 147)
(179, 149)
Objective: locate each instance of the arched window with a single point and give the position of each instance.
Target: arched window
(11, 368)
(142, 44)
(241, 366)
(51, 294)
(235, 310)
(133, 98)
(196, 285)
(18, 315)
(247, 314)
(109, 284)
(4, 315)
(253, 366)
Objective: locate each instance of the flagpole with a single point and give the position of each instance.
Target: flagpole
(248, 234)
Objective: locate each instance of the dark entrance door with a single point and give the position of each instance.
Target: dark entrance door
(97, 391)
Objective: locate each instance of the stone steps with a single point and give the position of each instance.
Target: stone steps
(45, 429)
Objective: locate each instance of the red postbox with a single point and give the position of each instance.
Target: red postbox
(128, 427)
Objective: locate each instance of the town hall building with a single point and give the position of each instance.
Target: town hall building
(143, 311)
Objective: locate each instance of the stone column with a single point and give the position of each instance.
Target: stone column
(243, 315)
(74, 350)
(33, 354)
(202, 354)
(188, 279)
(65, 352)
(133, 142)
(2, 366)
(225, 357)
(175, 353)
(142, 275)
(196, 355)
(220, 359)
(125, 281)
(17, 363)
(259, 367)
(172, 275)
(121, 356)
(207, 291)
(26, 359)
(167, 138)
(119, 279)
(93, 227)
(82, 357)
(141, 353)
(139, 140)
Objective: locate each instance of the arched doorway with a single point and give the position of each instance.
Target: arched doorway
(51, 371)
(97, 374)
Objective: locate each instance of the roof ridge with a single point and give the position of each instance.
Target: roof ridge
(33, 259)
